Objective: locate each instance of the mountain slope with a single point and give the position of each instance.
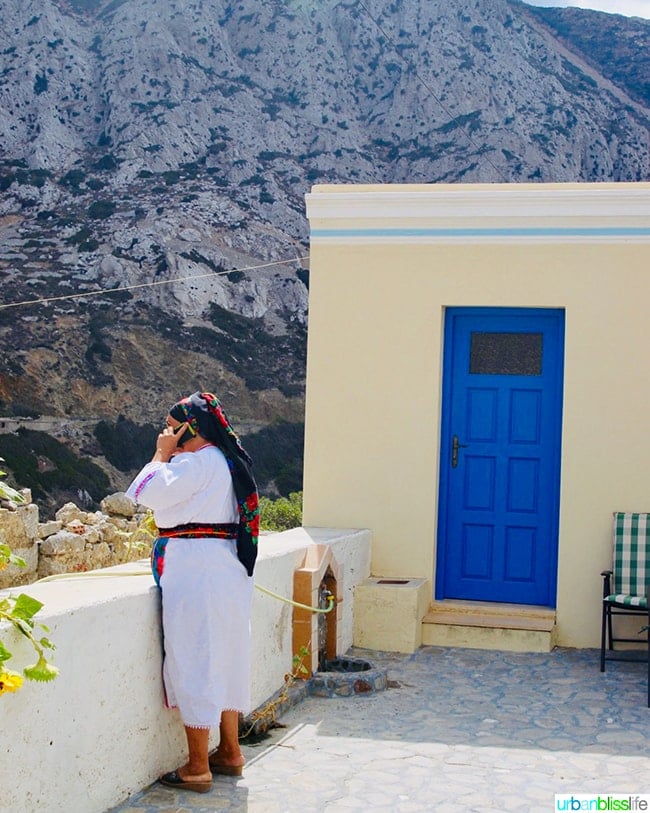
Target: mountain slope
(618, 47)
(166, 147)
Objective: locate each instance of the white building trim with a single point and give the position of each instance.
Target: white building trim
(480, 213)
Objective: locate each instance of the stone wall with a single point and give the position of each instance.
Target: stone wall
(74, 541)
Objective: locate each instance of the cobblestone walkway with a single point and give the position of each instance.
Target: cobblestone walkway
(457, 730)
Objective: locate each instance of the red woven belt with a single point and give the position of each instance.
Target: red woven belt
(192, 530)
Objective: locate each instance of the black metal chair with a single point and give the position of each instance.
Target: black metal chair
(626, 588)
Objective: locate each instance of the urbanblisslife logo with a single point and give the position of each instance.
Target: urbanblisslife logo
(602, 801)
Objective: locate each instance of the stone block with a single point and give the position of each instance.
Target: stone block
(388, 613)
(46, 529)
(29, 514)
(55, 565)
(98, 556)
(94, 518)
(70, 511)
(20, 527)
(13, 576)
(108, 531)
(119, 504)
(61, 543)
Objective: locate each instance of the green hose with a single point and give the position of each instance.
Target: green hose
(101, 573)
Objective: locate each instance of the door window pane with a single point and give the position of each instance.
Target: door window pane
(506, 354)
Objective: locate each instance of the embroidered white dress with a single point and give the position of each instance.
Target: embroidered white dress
(206, 591)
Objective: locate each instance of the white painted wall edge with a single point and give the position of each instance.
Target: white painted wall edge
(455, 203)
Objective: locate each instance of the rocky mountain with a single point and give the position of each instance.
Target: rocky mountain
(617, 47)
(163, 148)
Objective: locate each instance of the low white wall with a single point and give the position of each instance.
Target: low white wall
(99, 732)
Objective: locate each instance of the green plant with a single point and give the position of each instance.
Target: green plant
(20, 611)
(266, 717)
(8, 493)
(141, 539)
(281, 514)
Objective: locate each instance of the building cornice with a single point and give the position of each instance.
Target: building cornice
(467, 213)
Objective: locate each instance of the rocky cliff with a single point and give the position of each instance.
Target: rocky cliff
(165, 147)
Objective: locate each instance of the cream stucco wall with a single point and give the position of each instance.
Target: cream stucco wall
(385, 263)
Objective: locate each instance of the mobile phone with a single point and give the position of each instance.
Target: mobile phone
(188, 434)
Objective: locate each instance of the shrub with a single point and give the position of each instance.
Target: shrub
(40, 84)
(277, 452)
(282, 514)
(101, 209)
(79, 237)
(108, 162)
(66, 472)
(303, 276)
(73, 178)
(125, 444)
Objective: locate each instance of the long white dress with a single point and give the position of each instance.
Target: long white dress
(206, 591)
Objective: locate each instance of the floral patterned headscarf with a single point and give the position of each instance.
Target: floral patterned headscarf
(204, 413)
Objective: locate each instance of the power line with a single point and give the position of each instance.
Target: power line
(428, 88)
(409, 63)
(103, 291)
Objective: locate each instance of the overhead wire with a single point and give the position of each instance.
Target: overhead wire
(412, 67)
(102, 291)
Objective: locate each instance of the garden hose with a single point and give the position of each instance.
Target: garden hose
(100, 573)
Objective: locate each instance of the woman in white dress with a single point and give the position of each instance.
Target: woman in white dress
(204, 500)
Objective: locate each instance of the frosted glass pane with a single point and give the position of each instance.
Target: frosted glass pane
(506, 354)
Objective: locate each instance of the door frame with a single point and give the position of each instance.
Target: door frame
(445, 436)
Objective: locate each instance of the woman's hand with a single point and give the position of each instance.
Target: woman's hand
(167, 443)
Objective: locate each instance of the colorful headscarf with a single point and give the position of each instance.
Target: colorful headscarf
(204, 413)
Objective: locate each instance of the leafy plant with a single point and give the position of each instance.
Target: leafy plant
(141, 539)
(20, 613)
(281, 514)
(8, 493)
(266, 717)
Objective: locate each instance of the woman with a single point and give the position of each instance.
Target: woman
(205, 504)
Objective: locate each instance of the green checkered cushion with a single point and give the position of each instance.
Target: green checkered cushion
(631, 566)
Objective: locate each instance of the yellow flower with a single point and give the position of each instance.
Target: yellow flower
(10, 682)
(42, 670)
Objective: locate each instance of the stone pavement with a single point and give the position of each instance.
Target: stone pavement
(457, 730)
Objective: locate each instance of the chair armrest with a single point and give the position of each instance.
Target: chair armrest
(606, 574)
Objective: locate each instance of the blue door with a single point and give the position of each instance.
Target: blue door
(500, 455)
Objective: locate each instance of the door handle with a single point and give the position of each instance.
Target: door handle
(455, 446)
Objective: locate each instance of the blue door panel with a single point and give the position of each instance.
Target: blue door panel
(479, 483)
(522, 485)
(482, 414)
(500, 455)
(525, 412)
(520, 554)
(477, 552)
